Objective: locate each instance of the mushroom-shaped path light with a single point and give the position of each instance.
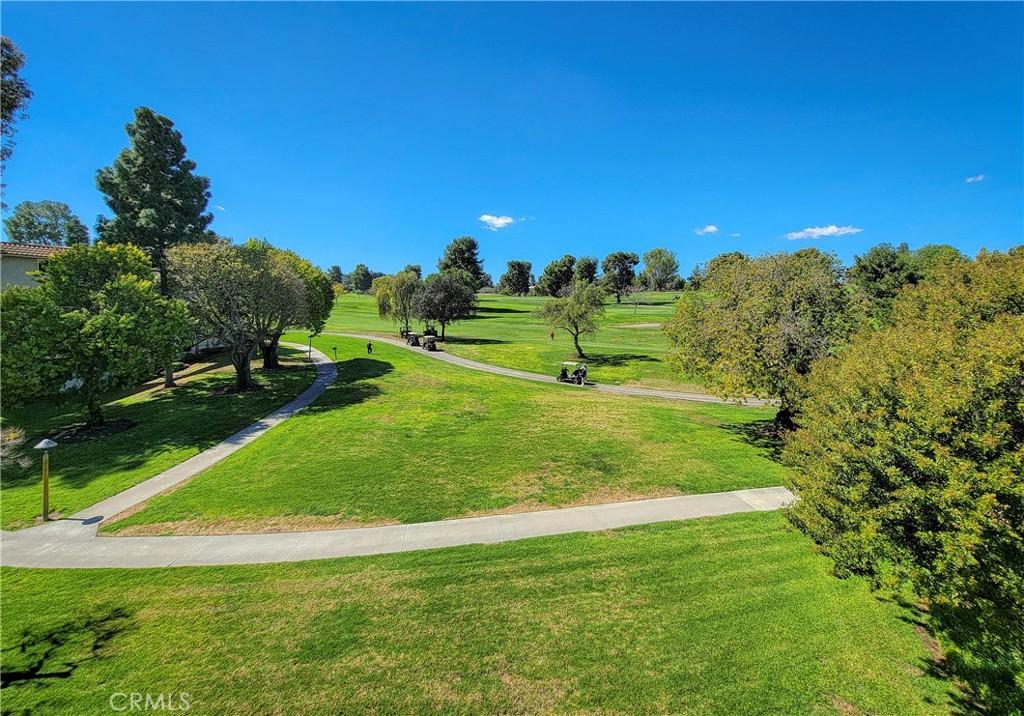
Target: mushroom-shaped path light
(46, 445)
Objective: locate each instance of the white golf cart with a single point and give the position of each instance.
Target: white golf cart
(573, 372)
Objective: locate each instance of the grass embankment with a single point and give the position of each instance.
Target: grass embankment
(629, 349)
(170, 426)
(400, 437)
(731, 615)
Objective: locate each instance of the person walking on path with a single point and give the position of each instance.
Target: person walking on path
(369, 348)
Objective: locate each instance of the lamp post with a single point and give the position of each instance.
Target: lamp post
(309, 355)
(335, 349)
(46, 445)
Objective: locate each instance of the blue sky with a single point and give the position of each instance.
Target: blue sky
(376, 133)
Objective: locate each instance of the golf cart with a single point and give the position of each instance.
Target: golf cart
(429, 343)
(573, 372)
(413, 339)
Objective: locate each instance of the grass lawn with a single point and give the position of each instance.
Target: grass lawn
(629, 349)
(401, 437)
(729, 615)
(171, 426)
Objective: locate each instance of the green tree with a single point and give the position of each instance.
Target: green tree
(516, 280)
(157, 200)
(880, 273)
(909, 461)
(45, 222)
(311, 312)
(30, 323)
(576, 313)
(661, 269)
(396, 297)
(557, 277)
(724, 265)
(444, 298)
(94, 323)
(931, 258)
(586, 269)
(464, 254)
(237, 294)
(619, 272)
(336, 275)
(414, 268)
(14, 95)
(362, 278)
(758, 325)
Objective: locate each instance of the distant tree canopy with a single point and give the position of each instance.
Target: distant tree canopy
(414, 268)
(910, 455)
(463, 254)
(619, 272)
(336, 275)
(45, 222)
(576, 312)
(516, 280)
(661, 269)
(94, 323)
(445, 298)
(585, 270)
(759, 324)
(557, 277)
(361, 278)
(880, 273)
(933, 258)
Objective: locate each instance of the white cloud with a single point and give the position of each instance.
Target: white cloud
(709, 229)
(218, 206)
(736, 235)
(496, 222)
(817, 232)
(974, 179)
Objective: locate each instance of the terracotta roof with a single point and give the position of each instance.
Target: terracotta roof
(29, 251)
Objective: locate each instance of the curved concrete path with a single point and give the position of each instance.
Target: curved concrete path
(513, 373)
(67, 544)
(74, 542)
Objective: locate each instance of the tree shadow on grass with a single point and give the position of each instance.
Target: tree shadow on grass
(196, 414)
(351, 386)
(980, 667)
(762, 434)
(43, 655)
(597, 360)
(467, 341)
(494, 309)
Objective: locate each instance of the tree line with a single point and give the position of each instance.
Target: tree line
(619, 276)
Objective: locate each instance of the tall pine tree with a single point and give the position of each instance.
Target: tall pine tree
(157, 200)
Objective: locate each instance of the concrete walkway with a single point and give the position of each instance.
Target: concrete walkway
(75, 544)
(524, 375)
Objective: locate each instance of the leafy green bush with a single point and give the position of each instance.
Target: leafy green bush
(910, 461)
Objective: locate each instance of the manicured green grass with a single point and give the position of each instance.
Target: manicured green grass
(730, 615)
(171, 426)
(403, 437)
(629, 349)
